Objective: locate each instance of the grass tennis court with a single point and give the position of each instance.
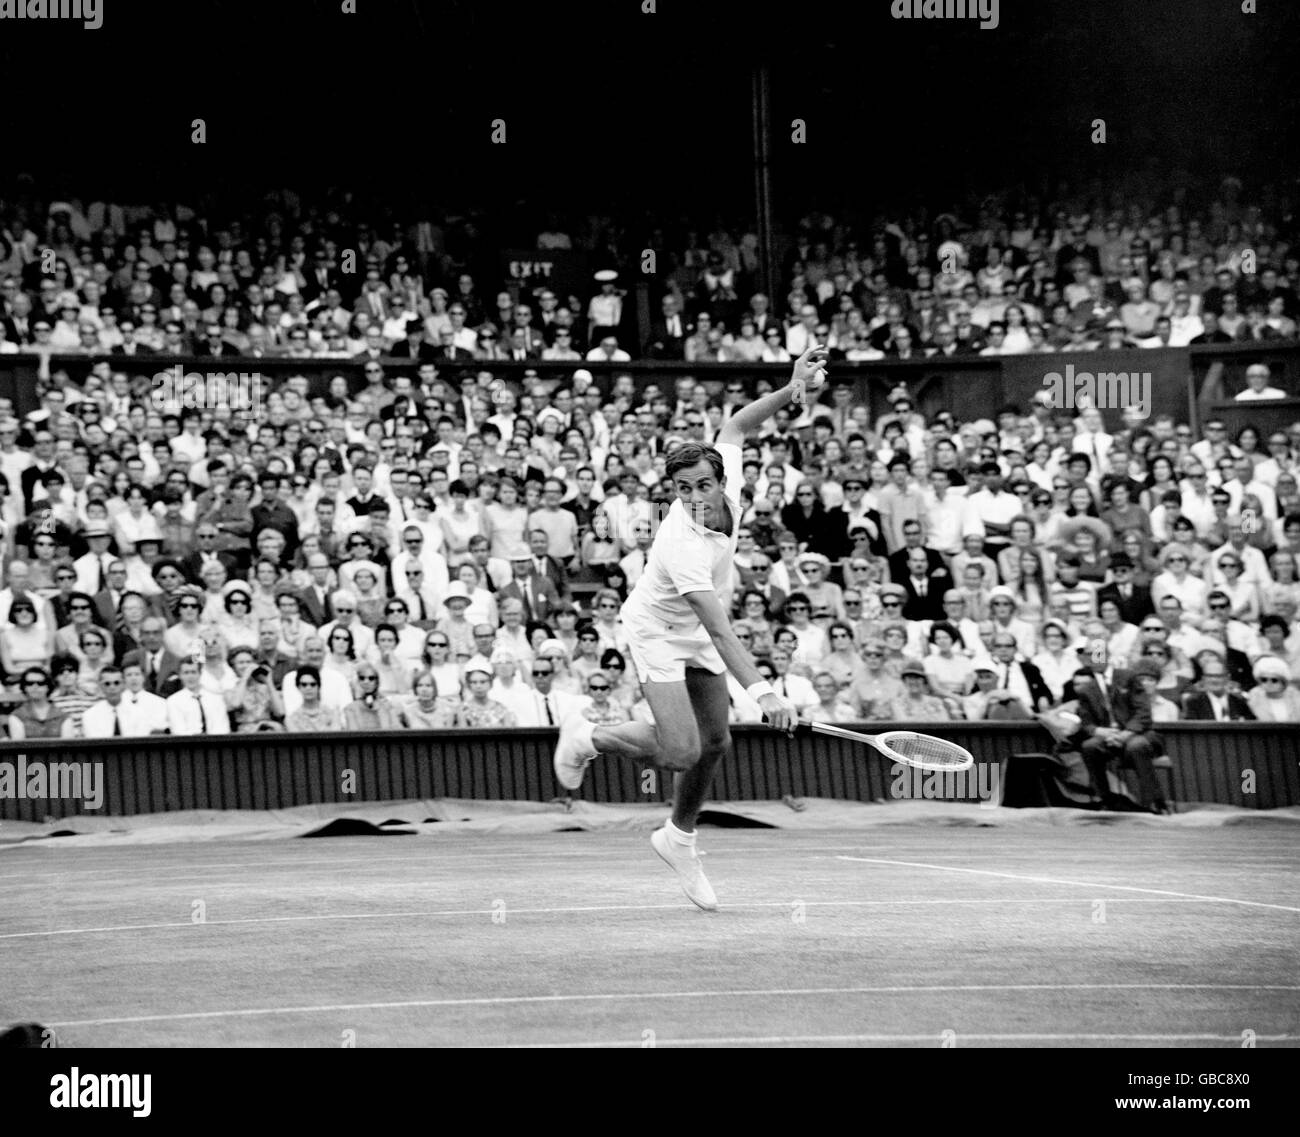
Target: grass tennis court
(1134, 934)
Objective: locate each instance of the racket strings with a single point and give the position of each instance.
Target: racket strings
(925, 750)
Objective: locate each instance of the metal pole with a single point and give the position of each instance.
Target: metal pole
(763, 177)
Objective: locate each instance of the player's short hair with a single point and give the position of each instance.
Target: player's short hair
(690, 453)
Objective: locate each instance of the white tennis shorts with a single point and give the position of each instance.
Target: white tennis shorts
(662, 652)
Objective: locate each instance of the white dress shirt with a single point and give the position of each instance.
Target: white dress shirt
(184, 717)
(797, 689)
(139, 714)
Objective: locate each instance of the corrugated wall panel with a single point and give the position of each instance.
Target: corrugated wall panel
(269, 771)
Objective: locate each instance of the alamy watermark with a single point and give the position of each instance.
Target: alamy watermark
(1104, 390)
(986, 11)
(53, 781)
(89, 12)
(175, 389)
(981, 782)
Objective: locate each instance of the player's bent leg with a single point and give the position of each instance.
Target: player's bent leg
(581, 741)
(677, 735)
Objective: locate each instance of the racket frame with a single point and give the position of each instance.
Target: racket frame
(877, 742)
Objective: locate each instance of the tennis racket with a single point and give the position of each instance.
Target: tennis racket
(924, 751)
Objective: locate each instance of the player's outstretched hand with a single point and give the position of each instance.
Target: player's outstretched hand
(809, 374)
(779, 712)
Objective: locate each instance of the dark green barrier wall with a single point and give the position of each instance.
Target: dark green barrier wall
(273, 771)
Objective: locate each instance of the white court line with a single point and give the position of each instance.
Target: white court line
(785, 1040)
(782, 904)
(361, 860)
(616, 996)
(189, 868)
(1080, 883)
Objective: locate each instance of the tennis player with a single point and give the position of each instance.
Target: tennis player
(681, 639)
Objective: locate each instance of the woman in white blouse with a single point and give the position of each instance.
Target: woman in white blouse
(1242, 594)
(294, 630)
(1054, 662)
(1174, 580)
(135, 521)
(949, 670)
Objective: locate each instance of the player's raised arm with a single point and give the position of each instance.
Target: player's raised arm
(807, 377)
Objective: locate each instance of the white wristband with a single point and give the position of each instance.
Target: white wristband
(757, 690)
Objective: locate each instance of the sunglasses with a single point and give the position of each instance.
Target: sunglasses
(36, 682)
(598, 687)
(1272, 679)
(188, 604)
(892, 602)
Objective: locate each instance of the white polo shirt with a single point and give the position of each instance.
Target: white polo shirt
(687, 558)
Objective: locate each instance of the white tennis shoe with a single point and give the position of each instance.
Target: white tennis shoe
(574, 751)
(685, 862)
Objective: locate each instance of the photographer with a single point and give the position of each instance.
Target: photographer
(254, 703)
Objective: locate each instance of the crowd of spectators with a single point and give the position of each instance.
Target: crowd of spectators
(445, 547)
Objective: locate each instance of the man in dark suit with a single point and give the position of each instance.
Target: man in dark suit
(537, 593)
(318, 277)
(912, 540)
(272, 513)
(414, 347)
(161, 668)
(129, 347)
(1115, 723)
(1017, 678)
(447, 349)
(108, 600)
(1133, 600)
(213, 346)
(18, 323)
(315, 598)
(519, 347)
(924, 586)
(1214, 702)
(205, 537)
(547, 566)
(667, 332)
(759, 578)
